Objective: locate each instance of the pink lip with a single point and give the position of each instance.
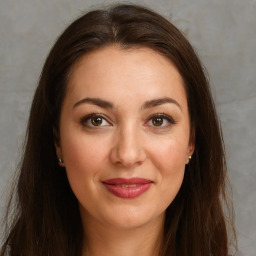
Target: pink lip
(127, 188)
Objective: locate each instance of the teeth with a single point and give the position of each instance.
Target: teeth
(127, 185)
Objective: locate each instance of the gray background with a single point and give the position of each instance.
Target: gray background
(222, 31)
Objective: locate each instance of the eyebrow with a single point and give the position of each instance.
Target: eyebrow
(160, 101)
(106, 104)
(95, 101)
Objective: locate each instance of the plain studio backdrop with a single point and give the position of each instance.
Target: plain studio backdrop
(223, 33)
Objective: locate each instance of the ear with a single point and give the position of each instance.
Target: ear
(57, 144)
(191, 146)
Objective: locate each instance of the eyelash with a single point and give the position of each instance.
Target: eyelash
(86, 118)
(162, 116)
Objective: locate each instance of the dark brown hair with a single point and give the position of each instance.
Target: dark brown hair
(46, 218)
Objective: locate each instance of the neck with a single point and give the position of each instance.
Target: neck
(107, 240)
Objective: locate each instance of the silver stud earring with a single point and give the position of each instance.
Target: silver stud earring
(60, 161)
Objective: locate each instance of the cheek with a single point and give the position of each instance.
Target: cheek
(81, 153)
(83, 160)
(169, 158)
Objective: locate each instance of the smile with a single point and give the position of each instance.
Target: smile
(127, 188)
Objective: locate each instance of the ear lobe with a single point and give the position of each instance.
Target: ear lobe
(191, 147)
(57, 143)
(192, 139)
(58, 149)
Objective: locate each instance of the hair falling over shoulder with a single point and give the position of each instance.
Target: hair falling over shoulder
(43, 217)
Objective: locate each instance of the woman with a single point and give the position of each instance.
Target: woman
(124, 152)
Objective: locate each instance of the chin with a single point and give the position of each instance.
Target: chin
(132, 218)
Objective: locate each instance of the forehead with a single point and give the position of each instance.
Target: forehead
(113, 72)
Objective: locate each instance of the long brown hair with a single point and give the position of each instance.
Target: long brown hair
(46, 218)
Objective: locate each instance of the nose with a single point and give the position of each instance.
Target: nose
(128, 150)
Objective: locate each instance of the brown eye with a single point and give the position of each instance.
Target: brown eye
(96, 121)
(157, 121)
(161, 121)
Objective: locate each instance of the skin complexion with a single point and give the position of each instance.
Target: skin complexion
(124, 140)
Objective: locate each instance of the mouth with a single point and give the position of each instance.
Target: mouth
(127, 188)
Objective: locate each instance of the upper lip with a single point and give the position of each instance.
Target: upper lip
(118, 181)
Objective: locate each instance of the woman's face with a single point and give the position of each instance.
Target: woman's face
(124, 136)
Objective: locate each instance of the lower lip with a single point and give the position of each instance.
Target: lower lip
(128, 192)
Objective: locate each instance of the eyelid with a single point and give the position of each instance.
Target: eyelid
(85, 118)
(164, 116)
